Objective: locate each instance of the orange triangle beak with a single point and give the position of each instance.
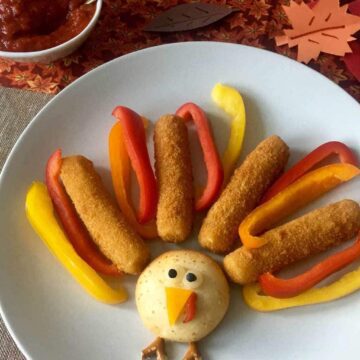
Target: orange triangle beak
(176, 299)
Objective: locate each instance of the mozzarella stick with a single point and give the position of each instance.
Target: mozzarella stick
(245, 189)
(308, 235)
(105, 223)
(174, 175)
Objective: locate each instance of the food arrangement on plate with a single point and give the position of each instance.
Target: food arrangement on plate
(183, 295)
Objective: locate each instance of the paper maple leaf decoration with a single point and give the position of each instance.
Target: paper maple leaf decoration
(325, 27)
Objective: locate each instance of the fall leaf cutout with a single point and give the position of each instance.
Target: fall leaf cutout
(325, 27)
(188, 17)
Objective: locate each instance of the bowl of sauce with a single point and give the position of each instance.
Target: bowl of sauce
(43, 30)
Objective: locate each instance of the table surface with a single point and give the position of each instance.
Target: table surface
(256, 24)
(17, 109)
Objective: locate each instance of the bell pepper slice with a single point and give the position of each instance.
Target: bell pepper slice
(73, 226)
(190, 308)
(286, 288)
(306, 189)
(39, 211)
(310, 161)
(190, 111)
(176, 299)
(346, 285)
(135, 143)
(230, 100)
(120, 173)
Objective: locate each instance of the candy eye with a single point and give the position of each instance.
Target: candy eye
(172, 273)
(192, 279)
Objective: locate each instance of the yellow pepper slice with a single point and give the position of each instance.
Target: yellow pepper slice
(230, 100)
(176, 299)
(346, 285)
(120, 173)
(39, 211)
(306, 189)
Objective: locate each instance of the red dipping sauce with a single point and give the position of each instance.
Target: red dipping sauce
(32, 25)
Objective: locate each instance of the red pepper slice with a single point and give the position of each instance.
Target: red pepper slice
(120, 173)
(286, 288)
(190, 308)
(135, 142)
(215, 174)
(308, 162)
(73, 227)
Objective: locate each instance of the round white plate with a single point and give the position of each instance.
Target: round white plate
(51, 317)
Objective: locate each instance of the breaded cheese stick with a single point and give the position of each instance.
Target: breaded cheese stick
(261, 167)
(174, 175)
(308, 235)
(105, 223)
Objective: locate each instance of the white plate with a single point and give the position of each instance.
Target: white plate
(51, 317)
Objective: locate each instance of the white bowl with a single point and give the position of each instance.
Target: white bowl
(57, 52)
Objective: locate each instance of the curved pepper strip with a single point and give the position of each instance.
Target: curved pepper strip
(230, 100)
(286, 288)
(73, 226)
(190, 308)
(213, 164)
(39, 211)
(120, 173)
(310, 161)
(135, 143)
(306, 189)
(346, 285)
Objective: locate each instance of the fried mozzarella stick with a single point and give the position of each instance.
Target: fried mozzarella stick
(105, 223)
(174, 175)
(260, 169)
(308, 235)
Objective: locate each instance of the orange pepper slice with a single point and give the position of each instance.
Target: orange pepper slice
(120, 173)
(306, 189)
(308, 162)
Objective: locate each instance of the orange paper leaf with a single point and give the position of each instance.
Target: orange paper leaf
(325, 27)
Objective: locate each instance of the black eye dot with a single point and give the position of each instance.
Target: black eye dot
(191, 277)
(172, 273)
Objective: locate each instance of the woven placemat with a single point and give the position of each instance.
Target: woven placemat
(17, 109)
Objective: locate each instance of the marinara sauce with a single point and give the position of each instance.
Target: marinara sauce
(31, 25)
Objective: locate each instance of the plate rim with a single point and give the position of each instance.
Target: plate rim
(158, 48)
(126, 57)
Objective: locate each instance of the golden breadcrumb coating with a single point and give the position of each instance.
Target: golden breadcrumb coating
(174, 175)
(105, 223)
(308, 235)
(245, 189)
